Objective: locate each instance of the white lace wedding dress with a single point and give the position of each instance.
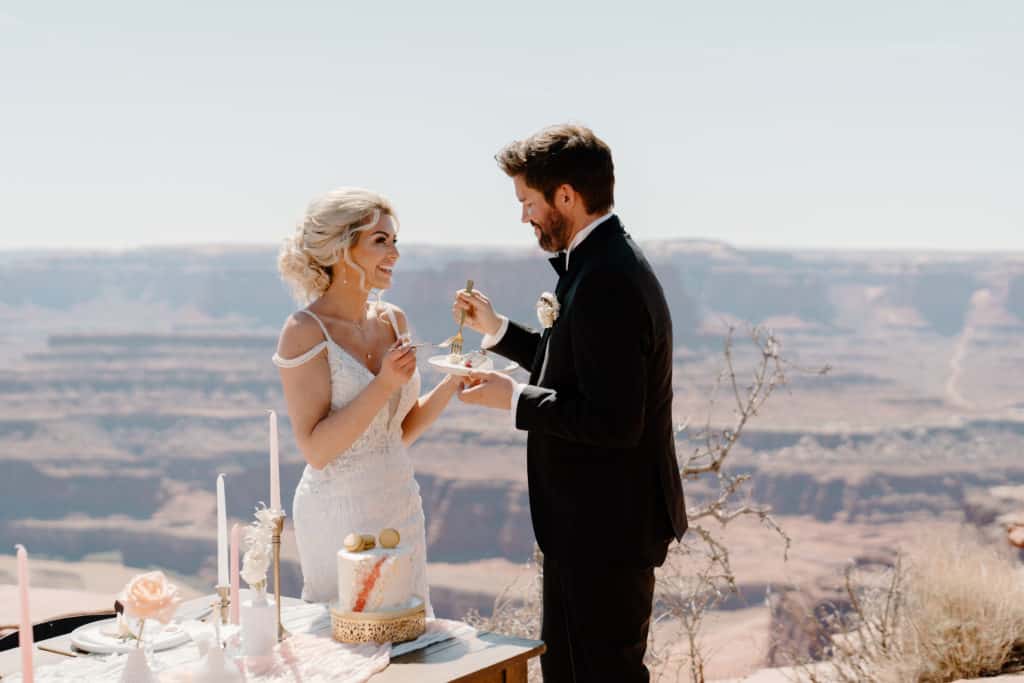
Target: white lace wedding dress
(367, 488)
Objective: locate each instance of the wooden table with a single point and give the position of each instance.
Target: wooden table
(486, 658)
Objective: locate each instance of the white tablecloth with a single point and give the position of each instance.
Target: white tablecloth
(310, 655)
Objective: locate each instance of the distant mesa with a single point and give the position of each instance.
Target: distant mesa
(188, 288)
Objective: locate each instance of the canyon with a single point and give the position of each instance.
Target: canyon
(128, 380)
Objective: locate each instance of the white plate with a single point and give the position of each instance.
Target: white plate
(442, 363)
(98, 637)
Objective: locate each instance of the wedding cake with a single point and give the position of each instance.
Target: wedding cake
(375, 580)
(375, 591)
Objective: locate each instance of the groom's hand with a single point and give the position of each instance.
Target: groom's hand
(488, 389)
(480, 314)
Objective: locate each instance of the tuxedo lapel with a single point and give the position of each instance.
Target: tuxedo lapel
(558, 263)
(593, 244)
(540, 360)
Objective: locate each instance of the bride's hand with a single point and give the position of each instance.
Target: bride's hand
(398, 366)
(480, 314)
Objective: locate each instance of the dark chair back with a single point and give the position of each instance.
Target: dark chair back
(57, 626)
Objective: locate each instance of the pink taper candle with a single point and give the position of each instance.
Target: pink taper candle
(25, 640)
(236, 536)
(275, 467)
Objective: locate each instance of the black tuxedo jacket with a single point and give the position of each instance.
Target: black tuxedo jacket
(604, 481)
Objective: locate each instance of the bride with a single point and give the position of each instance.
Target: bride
(352, 388)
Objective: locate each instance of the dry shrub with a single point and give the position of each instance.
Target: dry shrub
(963, 613)
(953, 610)
(517, 609)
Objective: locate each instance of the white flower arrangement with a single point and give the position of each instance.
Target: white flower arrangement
(258, 540)
(547, 309)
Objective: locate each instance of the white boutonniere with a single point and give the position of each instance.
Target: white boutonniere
(547, 309)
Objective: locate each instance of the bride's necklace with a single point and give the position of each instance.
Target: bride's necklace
(360, 327)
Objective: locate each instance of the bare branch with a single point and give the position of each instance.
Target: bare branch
(691, 595)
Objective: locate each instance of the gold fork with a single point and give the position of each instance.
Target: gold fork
(456, 347)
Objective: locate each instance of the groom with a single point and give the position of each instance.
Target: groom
(605, 491)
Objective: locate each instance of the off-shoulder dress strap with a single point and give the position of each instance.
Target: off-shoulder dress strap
(308, 355)
(394, 321)
(314, 316)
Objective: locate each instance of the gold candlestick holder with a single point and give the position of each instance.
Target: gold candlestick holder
(279, 516)
(224, 593)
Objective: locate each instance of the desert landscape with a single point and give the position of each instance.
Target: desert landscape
(129, 379)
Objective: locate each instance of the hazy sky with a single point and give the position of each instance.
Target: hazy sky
(886, 123)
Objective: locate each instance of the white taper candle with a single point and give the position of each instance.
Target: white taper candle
(222, 534)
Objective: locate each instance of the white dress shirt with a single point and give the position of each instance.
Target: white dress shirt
(492, 339)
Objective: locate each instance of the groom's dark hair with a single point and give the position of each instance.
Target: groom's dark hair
(564, 154)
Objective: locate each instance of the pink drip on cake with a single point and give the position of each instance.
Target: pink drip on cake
(371, 581)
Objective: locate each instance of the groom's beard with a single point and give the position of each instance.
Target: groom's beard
(554, 237)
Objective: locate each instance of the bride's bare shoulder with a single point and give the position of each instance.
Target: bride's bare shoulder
(299, 334)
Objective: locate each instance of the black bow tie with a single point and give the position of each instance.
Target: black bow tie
(558, 263)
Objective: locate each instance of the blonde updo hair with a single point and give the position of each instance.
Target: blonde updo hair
(325, 235)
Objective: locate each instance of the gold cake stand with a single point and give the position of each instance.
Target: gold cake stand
(396, 626)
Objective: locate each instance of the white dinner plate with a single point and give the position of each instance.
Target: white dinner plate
(442, 364)
(100, 637)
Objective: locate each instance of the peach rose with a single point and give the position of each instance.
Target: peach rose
(149, 596)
